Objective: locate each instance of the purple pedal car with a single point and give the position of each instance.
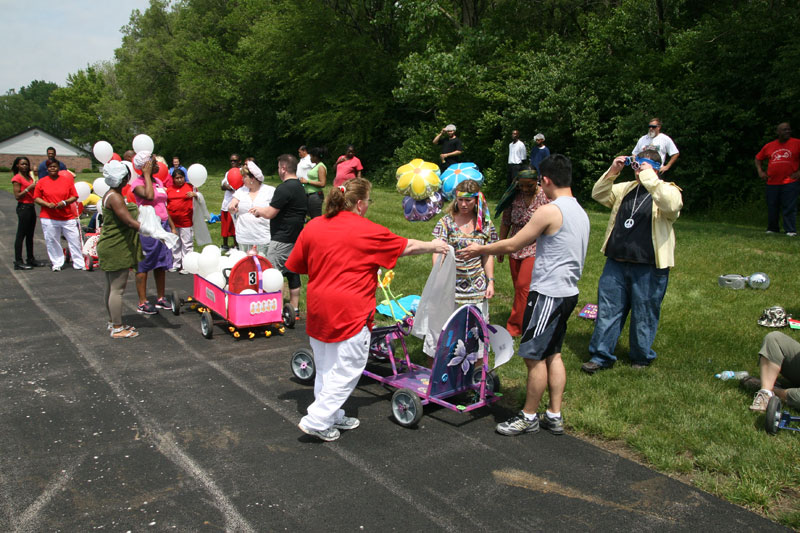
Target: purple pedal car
(460, 368)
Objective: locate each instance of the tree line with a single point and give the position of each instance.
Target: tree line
(205, 78)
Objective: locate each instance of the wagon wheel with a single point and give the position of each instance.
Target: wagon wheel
(406, 407)
(492, 384)
(288, 315)
(303, 367)
(176, 303)
(206, 324)
(773, 415)
(88, 262)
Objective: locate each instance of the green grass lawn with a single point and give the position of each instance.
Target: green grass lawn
(673, 416)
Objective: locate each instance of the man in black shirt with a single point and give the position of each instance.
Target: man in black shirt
(451, 146)
(639, 247)
(287, 214)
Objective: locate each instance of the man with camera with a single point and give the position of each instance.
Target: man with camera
(639, 246)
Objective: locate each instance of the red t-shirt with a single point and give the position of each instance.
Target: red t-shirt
(341, 256)
(784, 160)
(55, 191)
(24, 183)
(180, 207)
(347, 169)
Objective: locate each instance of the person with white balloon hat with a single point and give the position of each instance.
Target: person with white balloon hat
(341, 252)
(119, 248)
(149, 190)
(251, 230)
(56, 195)
(640, 249)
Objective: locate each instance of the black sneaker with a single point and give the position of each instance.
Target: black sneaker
(19, 265)
(517, 425)
(553, 425)
(147, 309)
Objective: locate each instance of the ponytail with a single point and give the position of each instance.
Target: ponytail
(346, 196)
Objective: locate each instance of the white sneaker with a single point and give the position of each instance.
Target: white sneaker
(791, 234)
(347, 423)
(760, 401)
(323, 434)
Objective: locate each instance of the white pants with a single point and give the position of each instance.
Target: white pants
(183, 246)
(339, 366)
(53, 231)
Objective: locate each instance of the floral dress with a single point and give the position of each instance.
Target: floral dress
(471, 280)
(518, 215)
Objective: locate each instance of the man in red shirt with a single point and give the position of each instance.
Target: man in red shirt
(783, 172)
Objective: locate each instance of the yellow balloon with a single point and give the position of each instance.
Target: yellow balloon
(418, 179)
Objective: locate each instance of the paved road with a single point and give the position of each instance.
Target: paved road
(171, 431)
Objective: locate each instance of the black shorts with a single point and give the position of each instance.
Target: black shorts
(545, 322)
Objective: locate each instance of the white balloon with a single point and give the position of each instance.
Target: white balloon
(208, 265)
(191, 262)
(272, 280)
(248, 291)
(84, 190)
(225, 262)
(197, 175)
(212, 249)
(100, 187)
(103, 151)
(237, 255)
(217, 279)
(142, 142)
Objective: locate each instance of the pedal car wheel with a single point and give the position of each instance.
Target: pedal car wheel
(492, 385)
(206, 324)
(176, 303)
(773, 418)
(88, 262)
(406, 407)
(288, 315)
(303, 367)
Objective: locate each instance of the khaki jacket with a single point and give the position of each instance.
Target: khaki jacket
(667, 204)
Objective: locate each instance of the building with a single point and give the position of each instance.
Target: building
(33, 143)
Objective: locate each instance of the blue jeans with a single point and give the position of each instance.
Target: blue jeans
(628, 287)
(782, 200)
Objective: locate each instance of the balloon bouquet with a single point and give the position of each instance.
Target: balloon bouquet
(420, 181)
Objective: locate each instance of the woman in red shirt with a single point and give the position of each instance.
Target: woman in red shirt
(24, 183)
(348, 166)
(56, 193)
(341, 252)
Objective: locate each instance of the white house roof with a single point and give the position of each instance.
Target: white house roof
(34, 141)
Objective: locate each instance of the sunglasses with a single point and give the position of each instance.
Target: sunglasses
(653, 125)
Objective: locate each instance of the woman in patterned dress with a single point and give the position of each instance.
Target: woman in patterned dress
(468, 222)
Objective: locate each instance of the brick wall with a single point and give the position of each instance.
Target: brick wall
(72, 162)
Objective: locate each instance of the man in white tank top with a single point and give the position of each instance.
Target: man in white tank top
(561, 229)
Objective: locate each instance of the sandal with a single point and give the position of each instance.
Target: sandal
(122, 333)
(110, 326)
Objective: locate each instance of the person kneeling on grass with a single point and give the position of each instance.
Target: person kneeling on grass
(561, 231)
(341, 252)
(779, 354)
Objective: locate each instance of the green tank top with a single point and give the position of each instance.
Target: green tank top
(118, 247)
(313, 175)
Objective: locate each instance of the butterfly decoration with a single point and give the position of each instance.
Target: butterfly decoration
(461, 357)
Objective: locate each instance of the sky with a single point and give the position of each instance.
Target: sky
(49, 39)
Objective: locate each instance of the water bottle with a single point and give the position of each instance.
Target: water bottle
(730, 374)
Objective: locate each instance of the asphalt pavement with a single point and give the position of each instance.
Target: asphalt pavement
(174, 432)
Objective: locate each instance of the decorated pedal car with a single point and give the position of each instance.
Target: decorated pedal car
(250, 301)
(460, 369)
